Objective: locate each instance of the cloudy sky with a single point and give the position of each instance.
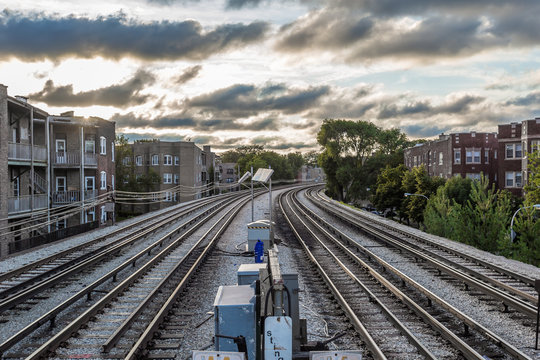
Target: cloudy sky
(237, 72)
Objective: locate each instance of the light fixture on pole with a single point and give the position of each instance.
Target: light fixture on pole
(421, 195)
(262, 176)
(512, 232)
(241, 180)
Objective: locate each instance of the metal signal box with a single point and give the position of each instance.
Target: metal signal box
(248, 273)
(235, 315)
(260, 230)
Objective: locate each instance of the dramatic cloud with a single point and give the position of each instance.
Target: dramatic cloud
(120, 95)
(532, 99)
(242, 100)
(130, 120)
(39, 37)
(421, 30)
(424, 108)
(188, 74)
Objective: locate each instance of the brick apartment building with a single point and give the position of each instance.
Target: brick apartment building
(183, 168)
(82, 165)
(50, 164)
(502, 157)
(465, 154)
(516, 141)
(228, 173)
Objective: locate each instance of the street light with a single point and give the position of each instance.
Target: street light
(422, 195)
(512, 232)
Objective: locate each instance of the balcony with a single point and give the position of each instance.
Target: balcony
(72, 196)
(90, 159)
(23, 152)
(22, 204)
(67, 159)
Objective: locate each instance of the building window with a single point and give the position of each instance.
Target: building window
(535, 145)
(168, 196)
(509, 151)
(112, 181)
(486, 156)
(519, 180)
(16, 187)
(103, 215)
(174, 197)
(126, 161)
(473, 176)
(155, 197)
(167, 178)
(472, 156)
(513, 151)
(230, 171)
(155, 159)
(176, 178)
(457, 157)
(89, 146)
(102, 145)
(514, 179)
(440, 158)
(167, 160)
(103, 183)
(138, 160)
(176, 160)
(112, 151)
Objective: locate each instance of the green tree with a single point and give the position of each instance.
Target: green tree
(353, 155)
(438, 214)
(444, 214)
(389, 191)
(295, 161)
(527, 244)
(233, 156)
(124, 166)
(311, 158)
(486, 217)
(418, 181)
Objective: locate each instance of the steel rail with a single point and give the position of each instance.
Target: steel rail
(517, 276)
(507, 299)
(372, 346)
(124, 240)
(459, 344)
(51, 315)
(22, 269)
(147, 335)
(117, 334)
(345, 241)
(76, 268)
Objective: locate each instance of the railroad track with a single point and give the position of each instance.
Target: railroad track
(512, 290)
(25, 276)
(385, 306)
(21, 344)
(57, 269)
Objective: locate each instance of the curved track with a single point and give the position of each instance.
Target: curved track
(336, 255)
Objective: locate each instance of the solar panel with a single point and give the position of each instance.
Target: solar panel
(263, 175)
